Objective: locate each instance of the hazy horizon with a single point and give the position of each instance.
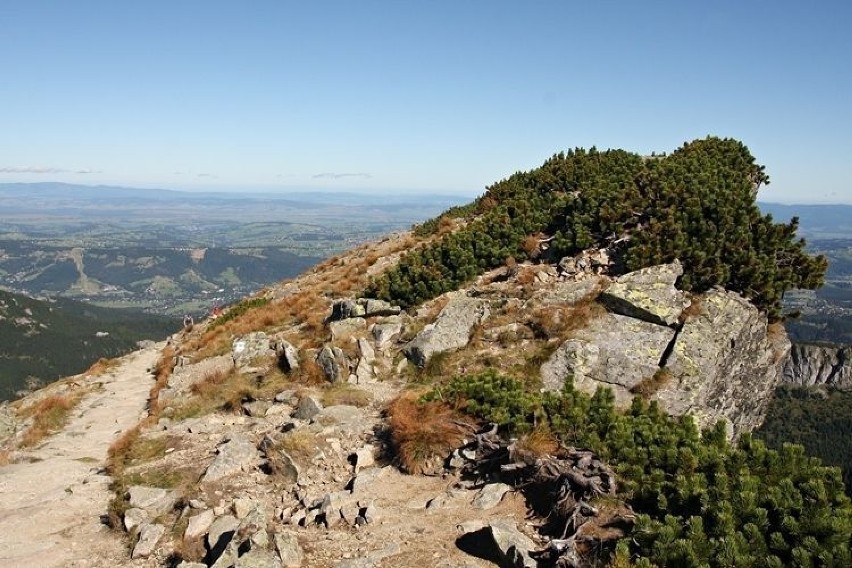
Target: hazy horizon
(443, 97)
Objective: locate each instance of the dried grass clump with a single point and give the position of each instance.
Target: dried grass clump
(540, 442)
(423, 433)
(162, 372)
(560, 322)
(49, 415)
(647, 387)
(693, 310)
(343, 393)
(301, 445)
(101, 366)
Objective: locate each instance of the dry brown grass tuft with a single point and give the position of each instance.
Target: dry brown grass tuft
(101, 366)
(693, 310)
(560, 322)
(309, 373)
(344, 393)
(651, 385)
(423, 433)
(539, 442)
(49, 415)
(162, 372)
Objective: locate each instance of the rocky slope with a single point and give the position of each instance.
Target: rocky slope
(817, 365)
(271, 449)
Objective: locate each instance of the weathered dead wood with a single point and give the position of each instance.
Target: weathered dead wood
(572, 479)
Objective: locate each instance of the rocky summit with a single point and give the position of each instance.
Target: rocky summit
(547, 410)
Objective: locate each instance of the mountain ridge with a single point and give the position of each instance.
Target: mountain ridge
(316, 406)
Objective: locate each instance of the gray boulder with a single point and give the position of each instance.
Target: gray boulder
(817, 365)
(288, 549)
(250, 349)
(451, 330)
(133, 518)
(648, 294)
(236, 455)
(384, 333)
(149, 536)
(361, 307)
(512, 547)
(344, 329)
(308, 408)
(288, 355)
(490, 496)
(334, 364)
(724, 364)
(614, 351)
(199, 524)
(221, 533)
(154, 500)
(258, 558)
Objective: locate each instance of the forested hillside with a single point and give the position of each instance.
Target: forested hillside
(41, 341)
(817, 418)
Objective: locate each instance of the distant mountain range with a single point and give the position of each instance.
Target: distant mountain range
(42, 200)
(815, 220)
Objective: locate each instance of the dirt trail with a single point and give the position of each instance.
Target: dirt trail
(50, 508)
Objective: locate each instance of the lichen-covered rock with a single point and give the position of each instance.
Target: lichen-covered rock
(451, 329)
(199, 524)
(149, 536)
(648, 294)
(334, 364)
(724, 364)
(384, 332)
(153, 500)
(361, 307)
(570, 291)
(236, 455)
(250, 349)
(288, 549)
(816, 365)
(614, 351)
(347, 328)
(288, 355)
(258, 558)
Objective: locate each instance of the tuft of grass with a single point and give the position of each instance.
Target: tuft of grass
(540, 442)
(693, 310)
(101, 366)
(49, 415)
(423, 432)
(647, 387)
(301, 445)
(560, 322)
(344, 393)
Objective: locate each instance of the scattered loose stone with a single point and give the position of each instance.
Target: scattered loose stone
(490, 496)
(199, 524)
(149, 536)
(236, 455)
(133, 518)
(288, 549)
(308, 408)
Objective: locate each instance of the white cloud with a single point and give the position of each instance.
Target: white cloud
(44, 170)
(334, 175)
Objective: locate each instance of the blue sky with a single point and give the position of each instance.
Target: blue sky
(415, 96)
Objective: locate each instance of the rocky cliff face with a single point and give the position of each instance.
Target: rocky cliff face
(815, 365)
(716, 361)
